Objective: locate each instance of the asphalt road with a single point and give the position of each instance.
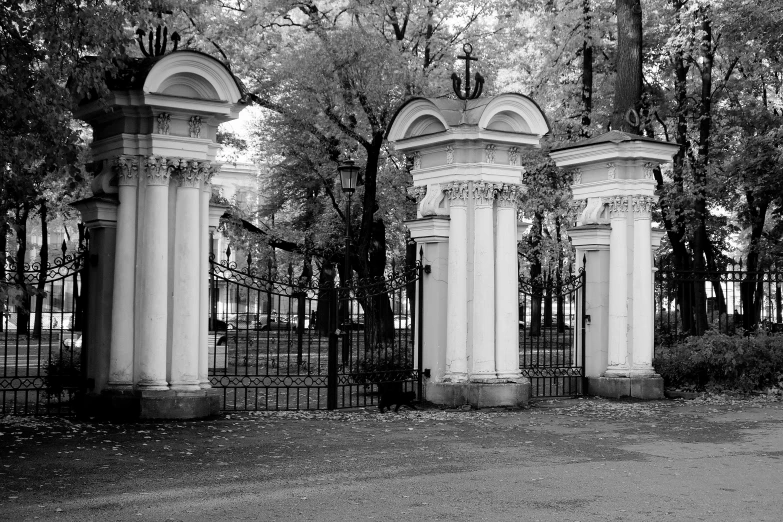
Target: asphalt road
(568, 460)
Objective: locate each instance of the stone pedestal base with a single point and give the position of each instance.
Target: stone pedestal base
(478, 394)
(647, 387)
(119, 405)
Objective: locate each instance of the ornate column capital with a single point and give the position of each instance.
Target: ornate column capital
(210, 170)
(159, 170)
(457, 193)
(127, 170)
(192, 172)
(508, 196)
(642, 206)
(484, 193)
(618, 206)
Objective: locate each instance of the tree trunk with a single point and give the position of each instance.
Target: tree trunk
(41, 286)
(628, 82)
(23, 309)
(3, 248)
(536, 270)
(587, 69)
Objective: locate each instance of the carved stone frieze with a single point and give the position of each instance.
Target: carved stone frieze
(416, 160)
(449, 154)
(164, 120)
(611, 171)
(618, 206)
(577, 172)
(490, 153)
(513, 155)
(195, 126)
(127, 170)
(435, 202)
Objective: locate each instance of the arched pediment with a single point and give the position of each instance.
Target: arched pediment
(190, 74)
(417, 117)
(514, 113)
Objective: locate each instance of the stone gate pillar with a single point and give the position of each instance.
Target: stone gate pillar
(157, 149)
(466, 157)
(614, 192)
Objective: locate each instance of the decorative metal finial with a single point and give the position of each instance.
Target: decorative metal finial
(457, 81)
(159, 47)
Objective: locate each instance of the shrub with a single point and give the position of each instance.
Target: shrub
(63, 373)
(716, 360)
(381, 364)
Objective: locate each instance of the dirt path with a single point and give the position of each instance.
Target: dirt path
(577, 460)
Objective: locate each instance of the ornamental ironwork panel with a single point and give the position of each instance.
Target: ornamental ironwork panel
(282, 342)
(41, 321)
(551, 333)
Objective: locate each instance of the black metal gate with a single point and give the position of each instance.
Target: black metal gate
(41, 320)
(552, 334)
(288, 343)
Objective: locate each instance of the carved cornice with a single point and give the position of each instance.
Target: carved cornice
(618, 206)
(508, 195)
(484, 193)
(127, 170)
(490, 153)
(642, 206)
(158, 170)
(457, 192)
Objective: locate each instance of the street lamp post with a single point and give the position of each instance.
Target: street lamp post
(349, 174)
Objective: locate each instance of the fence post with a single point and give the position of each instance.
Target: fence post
(584, 328)
(331, 369)
(418, 324)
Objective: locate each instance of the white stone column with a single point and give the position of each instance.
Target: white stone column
(151, 341)
(204, 238)
(187, 272)
(643, 312)
(457, 303)
(483, 320)
(507, 292)
(618, 288)
(122, 335)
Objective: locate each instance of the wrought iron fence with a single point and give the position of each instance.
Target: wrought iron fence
(730, 301)
(283, 343)
(551, 340)
(41, 321)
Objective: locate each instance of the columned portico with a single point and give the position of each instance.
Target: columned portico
(160, 140)
(614, 192)
(466, 157)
